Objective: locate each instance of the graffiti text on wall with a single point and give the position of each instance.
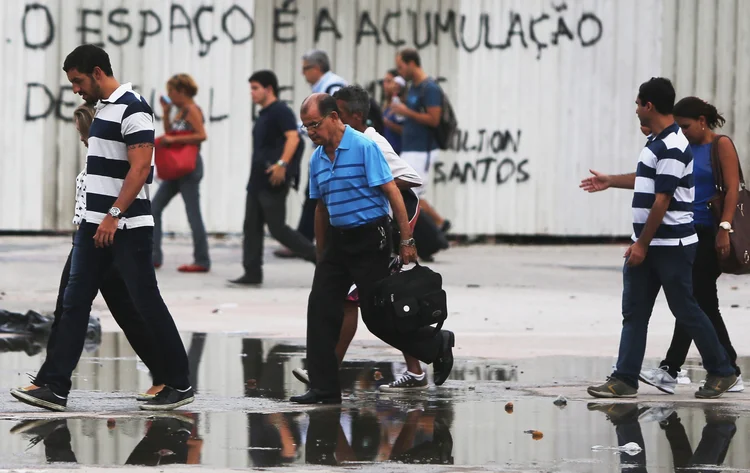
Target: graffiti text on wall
(492, 157)
(194, 26)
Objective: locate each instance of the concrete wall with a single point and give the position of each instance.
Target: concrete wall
(543, 92)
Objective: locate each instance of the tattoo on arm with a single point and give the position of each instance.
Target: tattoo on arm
(141, 145)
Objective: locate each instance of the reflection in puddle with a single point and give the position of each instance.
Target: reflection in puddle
(463, 423)
(438, 433)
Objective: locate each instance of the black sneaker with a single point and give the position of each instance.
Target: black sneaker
(168, 399)
(42, 397)
(407, 382)
(444, 364)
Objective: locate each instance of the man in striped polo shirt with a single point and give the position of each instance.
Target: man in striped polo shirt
(663, 249)
(117, 230)
(354, 186)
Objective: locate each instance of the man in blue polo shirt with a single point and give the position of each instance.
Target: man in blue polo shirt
(354, 186)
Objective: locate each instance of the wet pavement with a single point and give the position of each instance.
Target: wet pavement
(490, 415)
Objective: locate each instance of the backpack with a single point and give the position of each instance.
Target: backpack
(443, 133)
(410, 300)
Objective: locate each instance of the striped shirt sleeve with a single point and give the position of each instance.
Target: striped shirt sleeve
(138, 124)
(671, 164)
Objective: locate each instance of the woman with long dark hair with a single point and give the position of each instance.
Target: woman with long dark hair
(698, 120)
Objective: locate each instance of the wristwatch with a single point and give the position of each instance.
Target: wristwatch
(115, 212)
(409, 242)
(281, 163)
(726, 226)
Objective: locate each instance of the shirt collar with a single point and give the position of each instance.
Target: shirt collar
(670, 129)
(119, 92)
(346, 142)
(322, 80)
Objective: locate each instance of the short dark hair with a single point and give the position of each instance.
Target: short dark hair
(325, 103)
(660, 92)
(266, 78)
(85, 58)
(356, 99)
(393, 72)
(693, 107)
(410, 55)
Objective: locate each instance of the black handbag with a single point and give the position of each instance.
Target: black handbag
(410, 300)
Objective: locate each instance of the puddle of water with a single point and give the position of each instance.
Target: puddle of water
(465, 423)
(412, 432)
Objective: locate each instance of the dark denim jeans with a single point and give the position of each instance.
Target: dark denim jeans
(706, 272)
(671, 268)
(120, 304)
(131, 254)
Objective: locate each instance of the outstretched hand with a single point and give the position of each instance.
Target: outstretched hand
(598, 182)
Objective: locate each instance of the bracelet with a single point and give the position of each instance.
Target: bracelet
(409, 242)
(281, 163)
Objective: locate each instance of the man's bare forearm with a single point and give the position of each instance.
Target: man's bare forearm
(321, 228)
(290, 146)
(655, 218)
(399, 209)
(135, 178)
(424, 118)
(134, 182)
(623, 181)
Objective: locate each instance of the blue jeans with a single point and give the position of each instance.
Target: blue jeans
(189, 187)
(668, 267)
(131, 257)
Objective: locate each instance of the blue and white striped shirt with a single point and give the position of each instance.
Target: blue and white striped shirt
(665, 166)
(121, 120)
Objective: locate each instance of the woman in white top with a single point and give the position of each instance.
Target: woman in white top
(112, 287)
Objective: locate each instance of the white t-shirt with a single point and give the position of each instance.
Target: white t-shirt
(399, 168)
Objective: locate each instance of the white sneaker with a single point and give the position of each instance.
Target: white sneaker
(738, 387)
(660, 379)
(301, 375)
(656, 414)
(683, 378)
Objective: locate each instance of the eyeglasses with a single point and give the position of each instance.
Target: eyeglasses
(313, 125)
(305, 68)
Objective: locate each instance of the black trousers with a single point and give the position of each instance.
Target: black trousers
(706, 272)
(131, 255)
(268, 206)
(120, 304)
(361, 256)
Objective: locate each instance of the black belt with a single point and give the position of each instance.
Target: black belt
(366, 227)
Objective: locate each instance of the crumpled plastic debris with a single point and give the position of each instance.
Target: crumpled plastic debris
(37, 328)
(560, 401)
(631, 448)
